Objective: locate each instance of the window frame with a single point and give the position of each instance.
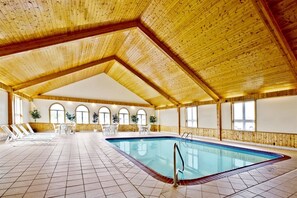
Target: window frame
(18, 116)
(128, 115)
(244, 121)
(141, 115)
(192, 112)
(50, 116)
(82, 114)
(104, 115)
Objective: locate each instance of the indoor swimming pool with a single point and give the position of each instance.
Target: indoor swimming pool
(200, 158)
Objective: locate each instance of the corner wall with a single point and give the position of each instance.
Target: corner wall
(276, 122)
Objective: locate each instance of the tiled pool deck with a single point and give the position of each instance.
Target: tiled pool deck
(85, 165)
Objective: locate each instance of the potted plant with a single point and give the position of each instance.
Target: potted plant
(115, 119)
(70, 117)
(95, 119)
(35, 114)
(153, 119)
(134, 119)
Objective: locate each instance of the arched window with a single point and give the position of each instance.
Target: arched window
(104, 115)
(82, 115)
(124, 116)
(141, 114)
(57, 113)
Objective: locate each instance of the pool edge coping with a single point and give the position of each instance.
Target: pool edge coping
(200, 180)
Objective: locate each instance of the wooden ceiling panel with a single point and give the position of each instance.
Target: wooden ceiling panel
(139, 52)
(66, 80)
(285, 13)
(44, 61)
(27, 20)
(136, 85)
(227, 40)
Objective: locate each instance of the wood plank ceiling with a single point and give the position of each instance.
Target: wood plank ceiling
(182, 51)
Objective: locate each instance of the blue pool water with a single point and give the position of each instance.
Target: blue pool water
(201, 158)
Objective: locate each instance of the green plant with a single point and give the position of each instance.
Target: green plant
(134, 119)
(153, 119)
(115, 118)
(35, 114)
(70, 117)
(95, 117)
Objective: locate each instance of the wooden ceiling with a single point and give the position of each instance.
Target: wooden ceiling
(168, 52)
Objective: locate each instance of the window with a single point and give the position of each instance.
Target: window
(57, 113)
(124, 116)
(141, 117)
(191, 117)
(82, 115)
(18, 110)
(104, 115)
(244, 116)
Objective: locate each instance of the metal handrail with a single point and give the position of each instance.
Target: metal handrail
(175, 171)
(186, 134)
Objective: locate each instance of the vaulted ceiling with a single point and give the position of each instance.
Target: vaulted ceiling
(168, 52)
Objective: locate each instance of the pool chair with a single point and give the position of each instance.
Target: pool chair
(29, 136)
(26, 132)
(105, 129)
(145, 129)
(114, 128)
(57, 128)
(10, 135)
(15, 137)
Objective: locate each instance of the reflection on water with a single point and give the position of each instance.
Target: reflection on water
(200, 158)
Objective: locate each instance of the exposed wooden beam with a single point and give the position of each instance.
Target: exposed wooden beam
(182, 65)
(291, 92)
(61, 73)
(270, 22)
(10, 108)
(147, 81)
(72, 99)
(5, 87)
(22, 95)
(65, 37)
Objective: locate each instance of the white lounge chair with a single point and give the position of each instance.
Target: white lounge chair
(21, 135)
(114, 128)
(27, 133)
(13, 137)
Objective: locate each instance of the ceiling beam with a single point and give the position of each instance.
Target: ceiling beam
(147, 81)
(182, 65)
(270, 22)
(61, 73)
(5, 87)
(72, 99)
(65, 37)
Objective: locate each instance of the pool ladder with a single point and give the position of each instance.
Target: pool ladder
(176, 171)
(186, 134)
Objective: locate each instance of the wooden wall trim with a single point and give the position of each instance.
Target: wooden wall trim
(72, 99)
(272, 25)
(61, 73)
(291, 92)
(182, 65)
(65, 37)
(147, 81)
